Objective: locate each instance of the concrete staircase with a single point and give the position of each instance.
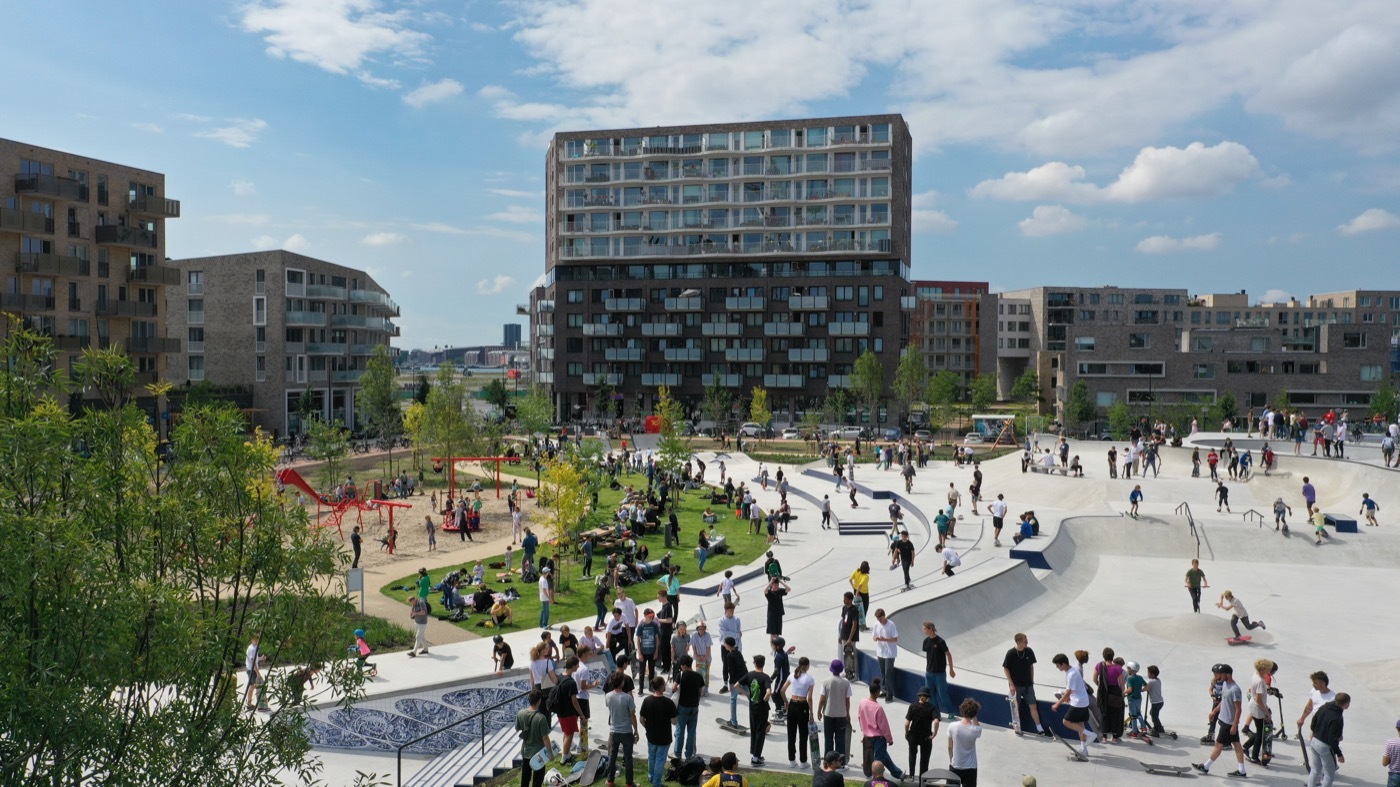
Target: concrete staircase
(467, 767)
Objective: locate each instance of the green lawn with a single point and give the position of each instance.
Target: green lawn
(574, 597)
(757, 778)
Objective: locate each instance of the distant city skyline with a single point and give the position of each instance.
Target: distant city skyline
(1216, 147)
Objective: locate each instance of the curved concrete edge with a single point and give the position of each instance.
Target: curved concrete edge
(1053, 553)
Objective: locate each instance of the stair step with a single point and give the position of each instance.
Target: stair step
(466, 766)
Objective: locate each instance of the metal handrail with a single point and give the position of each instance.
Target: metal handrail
(1191, 521)
(481, 713)
(1252, 512)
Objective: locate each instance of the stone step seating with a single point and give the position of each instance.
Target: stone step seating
(467, 767)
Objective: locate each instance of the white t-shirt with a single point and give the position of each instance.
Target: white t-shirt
(726, 587)
(582, 676)
(886, 650)
(1047, 460)
(250, 661)
(1318, 698)
(592, 643)
(629, 612)
(951, 557)
(964, 737)
(544, 589)
(802, 686)
(1258, 698)
(1076, 689)
(998, 508)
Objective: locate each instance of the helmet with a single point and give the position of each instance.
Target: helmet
(1132, 666)
(498, 639)
(359, 632)
(770, 553)
(779, 643)
(1222, 669)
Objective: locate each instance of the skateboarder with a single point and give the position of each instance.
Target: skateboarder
(1319, 523)
(905, 548)
(1076, 693)
(1019, 668)
(1238, 614)
(1222, 497)
(1195, 580)
(1369, 508)
(1134, 498)
(1281, 513)
(1227, 712)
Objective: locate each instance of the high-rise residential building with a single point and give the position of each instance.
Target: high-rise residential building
(281, 324)
(767, 254)
(1154, 347)
(510, 339)
(82, 250)
(953, 326)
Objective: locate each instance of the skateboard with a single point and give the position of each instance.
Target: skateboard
(1077, 756)
(849, 655)
(1163, 770)
(584, 773)
(737, 729)
(814, 743)
(1302, 744)
(1015, 713)
(1241, 641)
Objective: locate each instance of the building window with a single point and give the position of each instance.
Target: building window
(260, 310)
(1084, 343)
(1354, 340)
(574, 296)
(196, 368)
(196, 340)
(1105, 398)
(1202, 344)
(845, 293)
(259, 282)
(1372, 372)
(196, 283)
(1139, 341)
(260, 368)
(1203, 371)
(260, 340)
(1114, 299)
(196, 311)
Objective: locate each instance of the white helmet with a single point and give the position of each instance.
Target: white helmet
(1132, 666)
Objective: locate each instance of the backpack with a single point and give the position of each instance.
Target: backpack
(687, 771)
(556, 697)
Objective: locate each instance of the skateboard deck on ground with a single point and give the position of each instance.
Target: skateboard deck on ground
(1077, 755)
(1240, 641)
(737, 729)
(1157, 768)
(584, 776)
(940, 774)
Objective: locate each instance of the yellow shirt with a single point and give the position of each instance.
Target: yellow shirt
(860, 581)
(725, 779)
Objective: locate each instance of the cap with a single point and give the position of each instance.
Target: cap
(1223, 669)
(547, 570)
(924, 692)
(832, 756)
(836, 666)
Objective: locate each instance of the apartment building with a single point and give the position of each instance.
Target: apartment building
(767, 254)
(952, 326)
(1150, 346)
(82, 250)
(280, 324)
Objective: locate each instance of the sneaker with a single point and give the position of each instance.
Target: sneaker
(1237, 775)
(412, 653)
(1090, 736)
(792, 763)
(1200, 767)
(1261, 625)
(724, 690)
(1046, 734)
(424, 651)
(803, 764)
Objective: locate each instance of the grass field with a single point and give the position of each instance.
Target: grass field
(574, 596)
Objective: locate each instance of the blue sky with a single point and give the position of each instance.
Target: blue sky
(1216, 145)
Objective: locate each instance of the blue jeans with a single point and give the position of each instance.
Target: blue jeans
(704, 555)
(937, 683)
(656, 763)
(686, 719)
(879, 749)
(544, 614)
(609, 660)
(733, 705)
(1393, 780)
(602, 614)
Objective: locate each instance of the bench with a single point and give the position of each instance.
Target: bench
(1039, 468)
(1342, 522)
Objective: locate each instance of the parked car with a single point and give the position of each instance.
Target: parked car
(923, 435)
(847, 433)
(972, 438)
(792, 434)
(751, 429)
(892, 434)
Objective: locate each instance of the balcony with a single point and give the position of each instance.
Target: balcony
(15, 301)
(661, 329)
(783, 329)
(310, 319)
(325, 348)
(722, 329)
(318, 376)
(809, 302)
(623, 354)
(745, 303)
(294, 348)
(151, 378)
(655, 380)
(743, 354)
(722, 380)
(838, 381)
(79, 342)
(908, 301)
(544, 378)
(545, 353)
(325, 291)
(597, 378)
(117, 235)
(364, 349)
(783, 381)
(689, 304)
(112, 308)
(155, 205)
(624, 304)
(602, 329)
(15, 220)
(52, 264)
(50, 186)
(363, 321)
(546, 330)
(151, 344)
(153, 274)
(683, 353)
(347, 375)
(374, 298)
(848, 328)
(809, 355)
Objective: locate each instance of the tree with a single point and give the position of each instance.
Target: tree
(1120, 420)
(868, 382)
(911, 379)
(377, 399)
(305, 409)
(758, 407)
(446, 429)
(328, 444)
(604, 403)
(1080, 408)
(1027, 387)
(838, 404)
(496, 393)
(127, 676)
(1384, 401)
(1281, 402)
(413, 426)
(1225, 407)
(943, 388)
(420, 393)
(717, 403)
(535, 412)
(984, 391)
(673, 449)
(564, 498)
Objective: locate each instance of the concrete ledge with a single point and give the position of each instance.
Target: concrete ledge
(1342, 522)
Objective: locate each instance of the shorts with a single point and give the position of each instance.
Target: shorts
(1224, 737)
(568, 724)
(583, 706)
(996, 522)
(1026, 694)
(1077, 715)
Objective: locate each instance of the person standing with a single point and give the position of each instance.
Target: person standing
(921, 724)
(255, 695)
(567, 707)
(355, 544)
(905, 549)
(799, 689)
(418, 613)
(430, 528)
(1226, 713)
(777, 588)
(1320, 695)
(730, 627)
(1369, 508)
(1019, 668)
(1195, 580)
(1391, 758)
(998, 511)
(701, 647)
(875, 727)
(658, 715)
(826, 512)
(848, 628)
(834, 712)
(760, 689)
(688, 687)
(546, 596)
(533, 725)
(1281, 513)
(1076, 693)
(622, 729)
(1309, 495)
(1109, 682)
(649, 645)
(666, 620)
(1134, 500)
(732, 670)
(1213, 461)
(587, 549)
(938, 667)
(1326, 741)
(860, 585)
(962, 743)
(886, 636)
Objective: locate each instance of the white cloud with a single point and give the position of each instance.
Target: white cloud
(265, 242)
(240, 133)
(1163, 244)
(241, 218)
(243, 188)
(340, 36)
(1275, 296)
(926, 218)
(515, 193)
(1048, 220)
(433, 92)
(494, 286)
(440, 227)
(488, 232)
(1370, 220)
(149, 127)
(518, 214)
(482, 27)
(494, 92)
(383, 239)
(1156, 173)
(297, 243)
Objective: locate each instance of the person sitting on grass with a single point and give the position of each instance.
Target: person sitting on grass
(729, 775)
(709, 517)
(501, 613)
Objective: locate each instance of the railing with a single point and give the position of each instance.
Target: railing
(1252, 513)
(50, 185)
(479, 714)
(53, 264)
(155, 205)
(25, 221)
(153, 274)
(1191, 522)
(117, 235)
(325, 291)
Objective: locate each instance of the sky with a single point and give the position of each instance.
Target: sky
(1216, 145)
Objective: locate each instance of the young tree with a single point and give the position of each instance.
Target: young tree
(1280, 403)
(564, 499)
(943, 390)
(413, 426)
(377, 399)
(128, 676)
(420, 394)
(911, 379)
(1384, 401)
(717, 403)
(446, 429)
(1120, 420)
(837, 406)
(305, 409)
(1225, 407)
(868, 382)
(1080, 408)
(328, 444)
(497, 394)
(535, 412)
(758, 407)
(1027, 387)
(984, 391)
(673, 450)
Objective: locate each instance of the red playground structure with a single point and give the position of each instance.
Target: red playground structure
(289, 477)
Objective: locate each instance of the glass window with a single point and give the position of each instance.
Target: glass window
(1084, 343)
(1202, 344)
(1371, 372)
(1139, 341)
(816, 137)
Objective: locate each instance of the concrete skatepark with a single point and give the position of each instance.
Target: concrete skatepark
(1093, 578)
